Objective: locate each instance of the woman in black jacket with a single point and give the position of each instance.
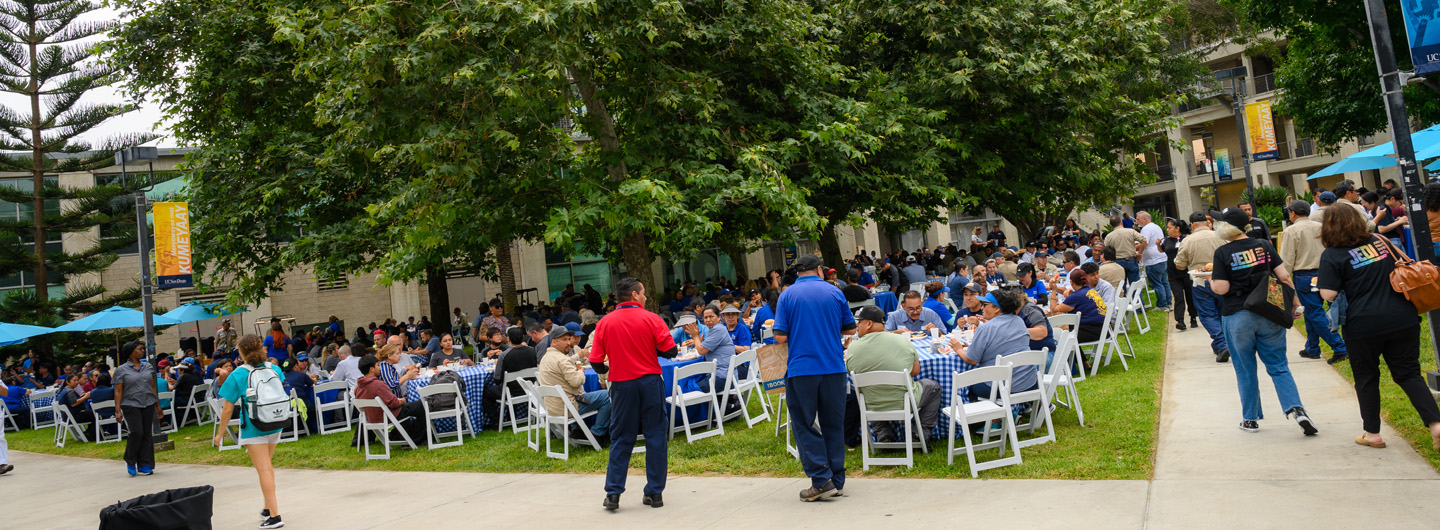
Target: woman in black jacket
(1180, 281)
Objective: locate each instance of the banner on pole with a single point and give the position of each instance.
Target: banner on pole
(1222, 163)
(172, 245)
(1424, 33)
(1260, 123)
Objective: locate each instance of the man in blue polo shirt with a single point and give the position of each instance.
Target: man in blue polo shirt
(810, 317)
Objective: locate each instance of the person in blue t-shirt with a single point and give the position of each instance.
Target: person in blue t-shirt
(810, 318)
(1035, 290)
(260, 444)
(1086, 301)
(970, 311)
(765, 313)
(714, 344)
(936, 302)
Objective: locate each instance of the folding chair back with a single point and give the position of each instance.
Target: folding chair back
(196, 408)
(168, 424)
(568, 415)
(535, 411)
(338, 409)
(216, 407)
(741, 389)
(1136, 307)
(458, 413)
(1060, 375)
(984, 411)
(103, 424)
(908, 414)
(66, 426)
(680, 401)
(42, 415)
(1038, 398)
(380, 429)
(508, 401)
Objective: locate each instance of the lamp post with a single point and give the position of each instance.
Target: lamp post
(142, 232)
(1237, 103)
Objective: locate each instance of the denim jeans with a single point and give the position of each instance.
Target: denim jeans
(1207, 305)
(599, 400)
(1132, 271)
(1158, 276)
(1336, 313)
(1252, 336)
(1317, 326)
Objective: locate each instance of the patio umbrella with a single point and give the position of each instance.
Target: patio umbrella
(114, 318)
(1426, 142)
(195, 312)
(1354, 162)
(11, 334)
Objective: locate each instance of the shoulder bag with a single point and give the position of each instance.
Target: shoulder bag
(1417, 280)
(1273, 300)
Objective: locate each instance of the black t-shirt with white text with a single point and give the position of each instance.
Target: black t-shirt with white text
(1363, 274)
(1244, 263)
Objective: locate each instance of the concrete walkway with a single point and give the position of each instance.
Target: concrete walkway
(1209, 474)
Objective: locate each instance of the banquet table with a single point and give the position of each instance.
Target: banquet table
(886, 301)
(940, 367)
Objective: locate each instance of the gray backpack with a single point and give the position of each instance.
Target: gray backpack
(445, 401)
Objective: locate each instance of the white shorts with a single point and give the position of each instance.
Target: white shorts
(271, 439)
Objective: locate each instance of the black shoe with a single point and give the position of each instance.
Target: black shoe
(264, 514)
(653, 501)
(1194, 324)
(612, 502)
(813, 493)
(885, 438)
(603, 440)
(272, 522)
(1223, 356)
(1250, 426)
(1302, 419)
(1307, 355)
(1336, 359)
(577, 434)
(1180, 326)
(6, 469)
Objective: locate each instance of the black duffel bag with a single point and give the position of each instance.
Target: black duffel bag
(177, 509)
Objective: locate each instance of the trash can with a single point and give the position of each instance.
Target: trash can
(177, 509)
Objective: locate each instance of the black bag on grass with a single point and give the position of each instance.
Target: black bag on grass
(177, 509)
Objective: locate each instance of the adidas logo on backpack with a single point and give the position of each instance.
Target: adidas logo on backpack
(267, 405)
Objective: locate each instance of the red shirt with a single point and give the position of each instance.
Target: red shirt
(631, 338)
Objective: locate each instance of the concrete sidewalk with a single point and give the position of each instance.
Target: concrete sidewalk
(1209, 474)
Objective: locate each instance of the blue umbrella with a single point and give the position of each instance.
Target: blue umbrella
(1426, 142)
(196, 311)
(1354, 162)
(17, 333)
(114, 318)
(1423, 139)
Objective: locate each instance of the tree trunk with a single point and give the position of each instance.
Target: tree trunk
(507, 278)
(830, 246)
(737, 256)
(633, 247)
(42, 290)
(438, 287)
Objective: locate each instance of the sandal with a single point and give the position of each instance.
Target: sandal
(1360, 440)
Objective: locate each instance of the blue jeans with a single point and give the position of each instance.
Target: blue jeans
(1336, 313)
(1207, 305)
(1252, 336)
(1317, 327)
(1158, 277)
(1132, 270)
(637, 407)
(822, 453)
(599, 401)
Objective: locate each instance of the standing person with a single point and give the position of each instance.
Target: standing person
(1127, 244)
(225, 338)
(1242, 266)
(1382, 323)
(1154, 260)
(277, 343)
(1300, 248)
(632, 339)
(1196, 253)
(5, 466)
(1180, 282)
(138, 405)
(810, 318)
(260, 444)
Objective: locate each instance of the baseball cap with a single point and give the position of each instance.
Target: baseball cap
(910, 258)
(989, 298)
(1024, 268)
(1198, 217)
(1327, 198)
(808, 262)
(574, 328)
(558, 331)
(188, 360)
(974, 287)
(1300, 207)
(730, 309)
(871, 313)
(1235, 217)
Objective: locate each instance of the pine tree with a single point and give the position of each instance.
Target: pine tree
(48, 58)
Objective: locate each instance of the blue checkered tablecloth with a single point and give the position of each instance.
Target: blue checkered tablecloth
(475, 377)
(886, 300)
(940, 367)
(27, 405)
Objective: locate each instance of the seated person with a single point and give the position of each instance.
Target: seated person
(1101, 285)
(430, 344)
(1034, 287)
(936, 302)
(1042, 337)
(298, 381)
(186, 379)
(387, 372)
(980, 277)
(1003, 333)
(518, 357)
(739, 334)
(15, 402)
(104, 391)
(852, 290)
(448, 353)
(494, 343)
(76, 400)
(970, 311)
(410, 414)
(913, 316)
(876, 351)
(685, 323)
(715, 346)
(1109, 270)
(1085, 301)
(559, 369)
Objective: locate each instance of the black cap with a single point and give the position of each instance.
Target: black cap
(1198, 217)
(871, 313)
(808, 262)
(1235, 217)
(1024, 268)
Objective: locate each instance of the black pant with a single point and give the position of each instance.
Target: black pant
(1089, 332)
(140, 446)
(1401, 349)
(637, 407)
(1181, 286)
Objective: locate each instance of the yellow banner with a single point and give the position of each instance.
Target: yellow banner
(1260, 123)
(172, 245)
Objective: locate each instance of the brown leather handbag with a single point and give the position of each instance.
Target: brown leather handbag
(1419, 281)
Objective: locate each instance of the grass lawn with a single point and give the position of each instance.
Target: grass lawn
(1117, 442)
(1395, 408)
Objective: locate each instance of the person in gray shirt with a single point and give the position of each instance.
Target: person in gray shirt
(1003, 333)
(449, 353)
(138, 406)
(914, 272)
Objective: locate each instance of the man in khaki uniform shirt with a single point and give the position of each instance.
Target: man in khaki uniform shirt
(1196, 251)
(1300, 249)
(1127, 244)
(1110, 271)
(559, 369)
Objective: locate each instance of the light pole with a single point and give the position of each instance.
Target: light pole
(142, 232)
(1237, 103)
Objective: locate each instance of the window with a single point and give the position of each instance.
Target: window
(24, 212)
(194, 295)
(337, 283)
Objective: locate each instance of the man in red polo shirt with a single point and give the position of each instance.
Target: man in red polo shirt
(632, 340)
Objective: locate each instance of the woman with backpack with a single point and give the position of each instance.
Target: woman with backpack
(253, 385)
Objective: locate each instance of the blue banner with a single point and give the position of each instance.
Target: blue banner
(1424, 32)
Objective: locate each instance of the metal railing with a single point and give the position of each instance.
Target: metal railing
(1164, 172)
(1264, 83)
(1304, 147)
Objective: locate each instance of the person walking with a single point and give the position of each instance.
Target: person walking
(810, 317)
(626, 347)
(260, 444)
(5, 466)
(1154, 261)
(1197, 252)
(1181, 285)
(1300, 249)
(1241, 266)
(138, 405)
(1380, 321)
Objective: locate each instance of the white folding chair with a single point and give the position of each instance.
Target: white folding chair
(1071, 323)
(232, 431)
(508, 402)
(681, 400)
(66, 426)
(918, 287)
(533, 429)
(962, 415)
(1136, 308)
(1038, 398)
(8, 420)
(1059, 374)
(908, 414)
(568, 416)
(782, 422)
(742, 390)
(1099, 348)
(42, 415)
(292, 433)
(380, 430)
(169, 423)
(101, 423)
(196, 407)
(459, 413)
(339, 408)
